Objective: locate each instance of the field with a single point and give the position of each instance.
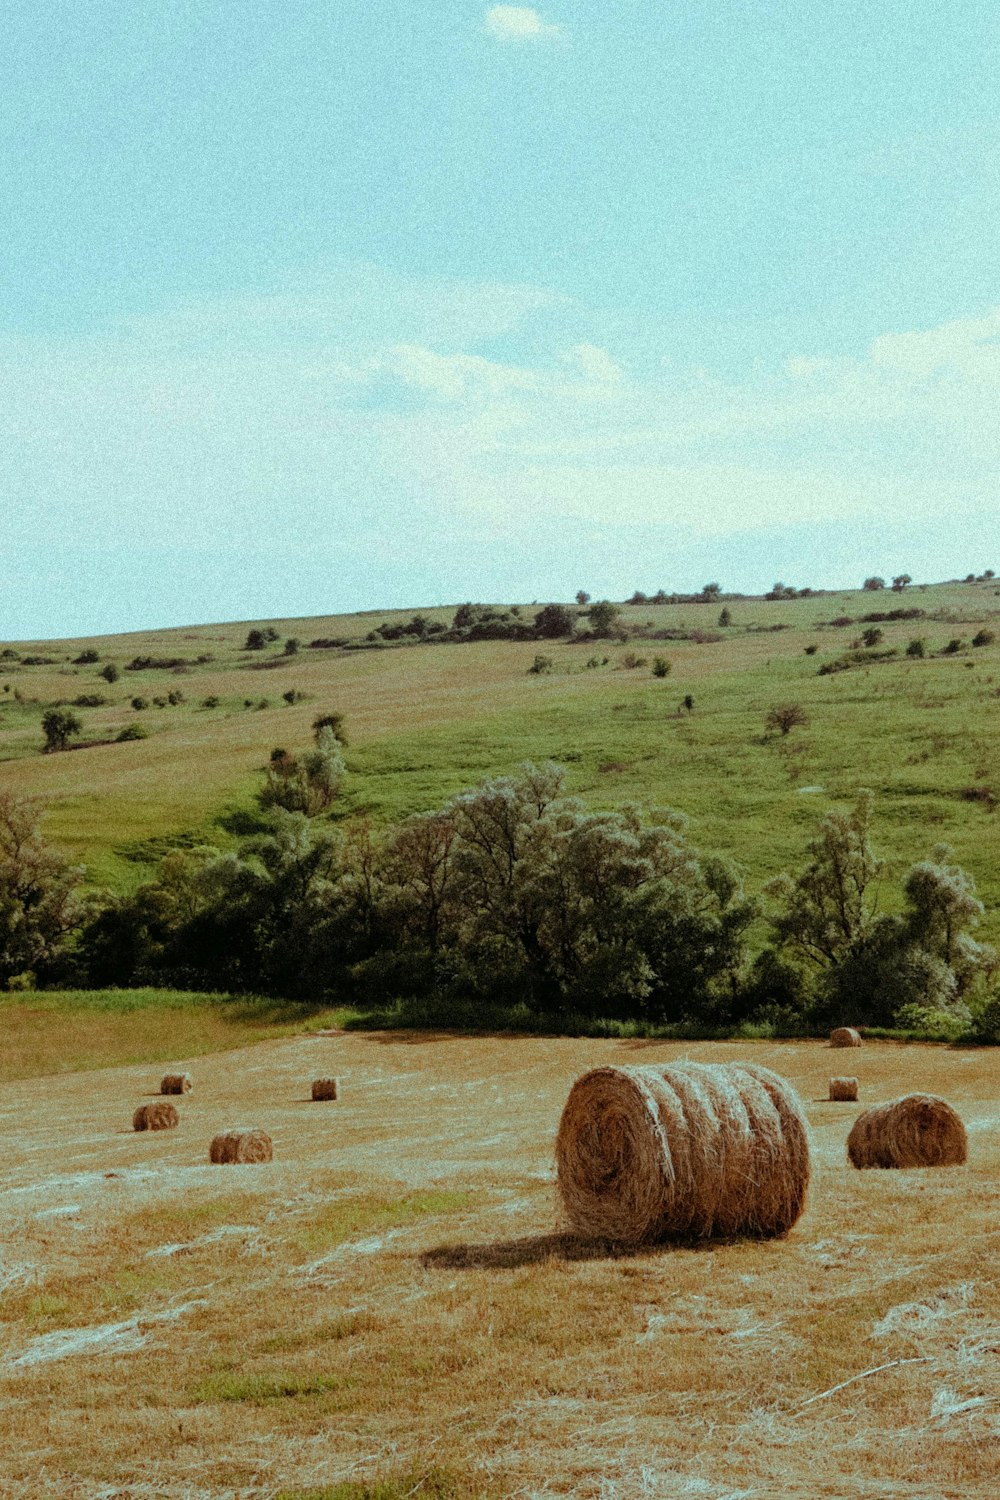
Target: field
(426, 720)
(391, 1307)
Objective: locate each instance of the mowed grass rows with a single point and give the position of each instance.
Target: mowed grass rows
(393, 1300)
(426, 721)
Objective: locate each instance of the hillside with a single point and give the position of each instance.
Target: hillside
(426, 719)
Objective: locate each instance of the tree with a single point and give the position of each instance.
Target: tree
(602, 617)
(582, 597)
(332, 721)
(711, 591)
(917, 648)
(59, 725)
(292, 646)
(785, 717)
(874, 584)
(661, 666)
(306, 784)
(555, 621)
(725, 617)
(109, 672)
(900, 581)
(39, 907)
(256, 640)
(829, 908)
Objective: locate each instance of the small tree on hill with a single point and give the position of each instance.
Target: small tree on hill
(602, 617)
(900, 581)
(331, 721)
(786, 716)
(725, 617)
(554, 621)
(256, 640)
(873, 584)
(59, 726)
(109, 672)
(308, 783)
(38, 901)
(582, 597)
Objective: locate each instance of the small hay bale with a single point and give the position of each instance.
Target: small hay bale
(845, 1036)
(684, 1150)
(241, 1146)
(843, 1088)
(175, 1083)
(919, 1130)
(324, 1088)
(160, 1115)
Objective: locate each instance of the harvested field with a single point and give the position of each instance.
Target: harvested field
(393, 1295)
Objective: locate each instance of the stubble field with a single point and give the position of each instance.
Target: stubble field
(392, 1308)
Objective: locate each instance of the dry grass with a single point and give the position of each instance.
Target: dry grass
(395, 1298)
(682, 1150)
(918, 1130)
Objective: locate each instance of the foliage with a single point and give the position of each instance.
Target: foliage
(661, 666)
(555, 621)
(540, 665)
(39, 905)
(603, 616)
(785, 717)
(132, 732)
(874, 584)
(110, 672)
(308, 783)
(256, 640)
(59, 726)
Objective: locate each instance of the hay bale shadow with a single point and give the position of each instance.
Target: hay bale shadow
(529, 1250)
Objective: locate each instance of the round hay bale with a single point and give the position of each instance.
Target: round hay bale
(175, 1083)
(845, 1036)
(161, 1115)
(843, 1088)
(241, 1146)
(324, 1088)
(683, 1150)
(919, 1130)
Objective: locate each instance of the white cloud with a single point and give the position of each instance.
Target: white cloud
(594, 363)
(519, 23)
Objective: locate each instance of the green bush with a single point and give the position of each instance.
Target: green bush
(132, 732)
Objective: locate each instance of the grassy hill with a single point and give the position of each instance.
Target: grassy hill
(425, 720)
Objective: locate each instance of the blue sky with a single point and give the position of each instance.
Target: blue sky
(317, 306)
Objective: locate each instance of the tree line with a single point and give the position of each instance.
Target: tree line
(512, 898)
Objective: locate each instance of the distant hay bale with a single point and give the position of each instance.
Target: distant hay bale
(324, 1088)
(843, 1088)
(845, 1036)
(158, 1116)
(919, 1130)
(241, 1146)
(682, 1150)
(175, 1083)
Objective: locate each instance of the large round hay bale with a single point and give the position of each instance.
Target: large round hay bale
(919, 1130)
(160, 1115)
(241, 1146)
(682, 1150)
(844, 1088)
(845, 1036)
(324, 1088)
(175, 1083)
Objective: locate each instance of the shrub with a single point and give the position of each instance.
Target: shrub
(211, 701)
(983, 638)
(661, 667)
(175, 697)
(785, 717)
(917, 648)
(555, 621)
(936, 1025)
(954, 646)
(293, 696)
(132, 732)
(89, 700)
(292, 646)
(602, 617)
(332, 721)
(725, 618)
(59, 726)
(630, 661)
(86, 658)
(873, 636)
(540, 664)
(874, 584)
(256, 641)
(811, 649)
(140, 703)
(109, 672)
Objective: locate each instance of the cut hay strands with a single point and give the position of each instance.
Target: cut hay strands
(913, 1359)
(158, 1116)
(845, 1036)
(844, 1088)
(324, 1088)
(685, 1150)
(919, 1130)
(175, 1083)
(241, 1146)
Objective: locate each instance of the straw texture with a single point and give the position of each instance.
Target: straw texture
(684, 1150)
(845, 1036)
(175, 1083)
(241, 1146)
(158, 1116)
(844, 1088)
(919, 1130)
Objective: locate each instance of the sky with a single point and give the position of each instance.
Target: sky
(319, 305)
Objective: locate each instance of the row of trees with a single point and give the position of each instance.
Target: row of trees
(511, 895)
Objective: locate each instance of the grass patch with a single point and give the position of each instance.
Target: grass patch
(429, 1484)
(264, 1389)
(338, 1222)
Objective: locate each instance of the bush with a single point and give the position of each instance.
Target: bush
(785, 717)
(86, 658)
(932, 1024)
(602, 617)
(132, 732)
(874, 584)
(811, 649)
(630, 661)
(917, 648)
(555, 621)
(59, 726)
(89, 700)
(210, 702)
(725, 618)
(983, 638)
(256, 641)
(954, 646)
(292, 646)
(540, 665)
(873, 636)
(109, 672)
(139, 704)
(661, 667)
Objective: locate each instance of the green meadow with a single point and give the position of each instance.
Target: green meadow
(425, 720)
